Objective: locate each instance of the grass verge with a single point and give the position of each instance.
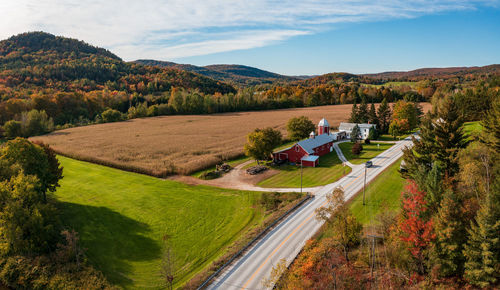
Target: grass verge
(381, 194)
(122, 218)
(369, 151)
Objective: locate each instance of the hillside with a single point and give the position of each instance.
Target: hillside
(37, 59)
(232, 73)
(431, 73)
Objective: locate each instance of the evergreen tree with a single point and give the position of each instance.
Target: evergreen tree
(354, 118)
(355, 134)
(491, 124)
(446, 253)
(449, 137)
(481, 250)
(384, 116)
(441, 137)
(363, 112)
(372, 116)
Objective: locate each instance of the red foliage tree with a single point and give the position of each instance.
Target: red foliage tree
(415, 223)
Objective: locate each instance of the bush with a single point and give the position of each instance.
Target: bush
(12, 129)
(111, 115)
(139, 111)
(367, 141)
(211, 175)
(32, 123)
(35, 123)
(357, 148)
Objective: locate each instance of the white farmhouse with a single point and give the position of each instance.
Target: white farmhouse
(363, 128)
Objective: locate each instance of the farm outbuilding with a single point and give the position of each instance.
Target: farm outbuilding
(309, 150)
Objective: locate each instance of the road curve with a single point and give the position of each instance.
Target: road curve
(288, 238)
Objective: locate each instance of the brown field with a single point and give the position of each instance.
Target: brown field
(165, 145)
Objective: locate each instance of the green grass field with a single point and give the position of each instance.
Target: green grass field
(369, 151)
(472, 128)
(329, 170)
(121, 218)
(381, 194)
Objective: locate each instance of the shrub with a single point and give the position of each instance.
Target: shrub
(111, 115)
(35, 123)
(12, 129)
(357, 148)
(367, 141)
(211, 175)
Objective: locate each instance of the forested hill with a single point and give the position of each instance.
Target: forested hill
(443, 73)
(232, 73)
(38, 59)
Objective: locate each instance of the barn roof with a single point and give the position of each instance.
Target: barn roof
(309, 144)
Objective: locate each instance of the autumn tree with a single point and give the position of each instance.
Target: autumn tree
(36, 160)
(404, 110)
(299, 128)
(344, 224)
(415, 223)
(398, 127)
(276, 273)
(261, 142)
(28, 225)
(384, 116)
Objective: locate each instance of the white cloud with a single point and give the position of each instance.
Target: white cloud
(169, 29)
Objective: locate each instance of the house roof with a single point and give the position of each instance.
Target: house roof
(350, 126)
(309, 144)
(323, 123)
(312, 158)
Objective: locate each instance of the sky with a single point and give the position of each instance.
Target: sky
(290, 37)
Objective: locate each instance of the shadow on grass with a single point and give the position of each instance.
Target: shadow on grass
(111, 240)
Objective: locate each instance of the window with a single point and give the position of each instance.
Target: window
(297, 148)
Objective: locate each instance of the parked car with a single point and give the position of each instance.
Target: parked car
(368, 164)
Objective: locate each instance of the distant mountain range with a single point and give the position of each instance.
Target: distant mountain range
(445, 72)
(232, 73)
(245, 75)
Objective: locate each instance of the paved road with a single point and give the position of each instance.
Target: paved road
(288, 238)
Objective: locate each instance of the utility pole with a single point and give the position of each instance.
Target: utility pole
(301, 176)
(364, 186)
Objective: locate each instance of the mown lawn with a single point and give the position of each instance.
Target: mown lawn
(472, 128)
(382, 194)
(369, 151)
(122, 217)
(329, 170)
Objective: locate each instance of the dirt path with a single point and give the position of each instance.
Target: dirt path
(237, 178)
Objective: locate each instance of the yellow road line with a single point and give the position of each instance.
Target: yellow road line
(291, 234)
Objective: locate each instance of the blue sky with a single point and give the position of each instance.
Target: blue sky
(288, 36)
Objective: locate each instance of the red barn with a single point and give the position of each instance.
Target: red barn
(309, 150)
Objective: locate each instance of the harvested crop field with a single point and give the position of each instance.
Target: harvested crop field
(165, 145)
